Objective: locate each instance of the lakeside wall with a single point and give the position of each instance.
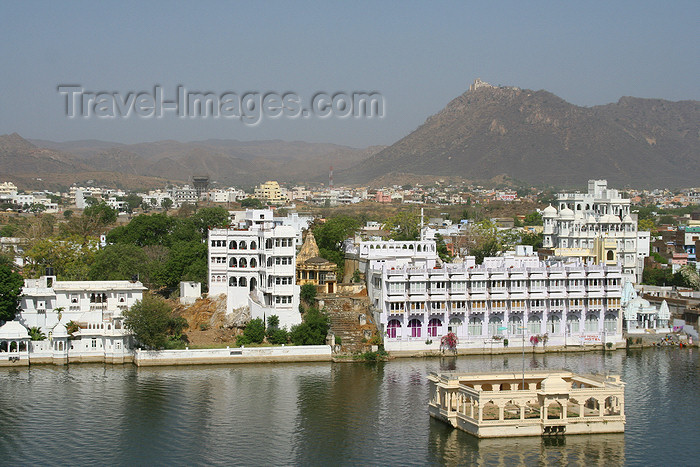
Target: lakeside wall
(302, 353)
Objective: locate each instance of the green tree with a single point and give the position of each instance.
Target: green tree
(308, 293)
(273, 322)
(67, 213)
(36, 334)
(187, 261)
(312, 330)
(119, 261)
(254, 333)
(10, 291)
(71, 257)
(442, 248)
(531, 238)
(646, 225)
(150, 320)
(145, 229)
(166, 204)
(533, 218)
(101, 214)
(404, 226)
(207, 218)
(331, 235)
(252, 203)
(131, 202)
(484, 240)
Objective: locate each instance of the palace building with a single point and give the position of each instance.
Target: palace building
(509, 298)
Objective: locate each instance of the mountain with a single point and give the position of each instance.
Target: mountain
(540, 139)
(41, 163)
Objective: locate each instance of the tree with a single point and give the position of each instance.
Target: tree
(253, 203)
(36, 334)
(404, 226)
(207, 218)
(67, 213)
(120, 261)
(533, 218)
(132, 202)
(167, 203)
(646, 225)
(71, 257)
(308, 293)
(254, 333)
(10, 291)
(484, 240)
(313, 329)
(146, 229)
(102, 214)
(149, 319)
(331, 235)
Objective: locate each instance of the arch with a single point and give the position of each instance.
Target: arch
(610, 323)
(418, 249)
(232, 282)
(233, 262)
(232, 245)
(269, 262)
(253, 263)
(243, 263)
(433, 326)
(268, 244)
(474, 328)
(610, 255)
(415, 326)
(242, 245)
(554, 410)
(487, 387)
(612, 406)
(489, 411)
(591, 408)
(578, 207)
(532, 409)
(455, 326)
(515, 326)
(253, 283)
(511, 411)
(494, 323)
(392, 327)
(554, 324)
(572, 409)
(253, 246)
(505, 387)
(117, 325)
(242, 282)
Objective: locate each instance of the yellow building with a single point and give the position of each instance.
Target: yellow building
(312, 269)
(270, 193)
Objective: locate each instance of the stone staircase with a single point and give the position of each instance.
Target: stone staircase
(351, 321)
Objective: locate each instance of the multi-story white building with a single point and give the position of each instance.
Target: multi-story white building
(510, 298)
(46, 300)
(253, 263)
(601, 214)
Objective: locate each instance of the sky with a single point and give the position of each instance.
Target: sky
(417, 55)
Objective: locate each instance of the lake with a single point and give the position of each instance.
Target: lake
(326, 414)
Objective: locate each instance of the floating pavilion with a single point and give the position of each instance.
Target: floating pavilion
(535, 403)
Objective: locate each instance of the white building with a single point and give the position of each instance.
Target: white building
(253, 263)
(514, 298)
(602, 214)
(641, 316)
(95, 306)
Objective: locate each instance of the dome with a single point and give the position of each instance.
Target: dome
(628, 219)
(59, 330)
(13, 330)
(566, 213)
(549, 211)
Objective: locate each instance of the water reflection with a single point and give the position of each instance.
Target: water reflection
(454, 447)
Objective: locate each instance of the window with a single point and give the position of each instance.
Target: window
(232, 245)
(459, 287)
(610, 323)
(437, 306)
(233, 263)
(94, 343)
(459, 305)
(455, 326)
(232, 282)
(417, 306)
(417, 287)
(494, 324)
(396, 307)
(415, 326)
(434, 326)
(393, 329)
(242, 245)
(396, 287)
(479, 306)
(534, 325)
(515, 327)
(74, 298)
(554, 324)
(438, 287)
(474, 328)
(573, 324)
(591, 324)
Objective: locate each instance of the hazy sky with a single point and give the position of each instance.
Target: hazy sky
(419, 56)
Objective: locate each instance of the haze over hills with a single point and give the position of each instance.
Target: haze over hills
(540, 139)
(152, 164)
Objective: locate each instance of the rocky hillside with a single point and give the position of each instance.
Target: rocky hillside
(538, 138)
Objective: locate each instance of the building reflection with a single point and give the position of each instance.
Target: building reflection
(451, 447)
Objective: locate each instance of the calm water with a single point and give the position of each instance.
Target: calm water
(324, 414)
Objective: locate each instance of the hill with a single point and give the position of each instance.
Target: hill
(540, 139)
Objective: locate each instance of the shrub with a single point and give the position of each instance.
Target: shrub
(313, 329)
(273, 321)
(254, 333)
(278, 337)
(204, 327)
(36, 334)
(308, 293)
(338, 340)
